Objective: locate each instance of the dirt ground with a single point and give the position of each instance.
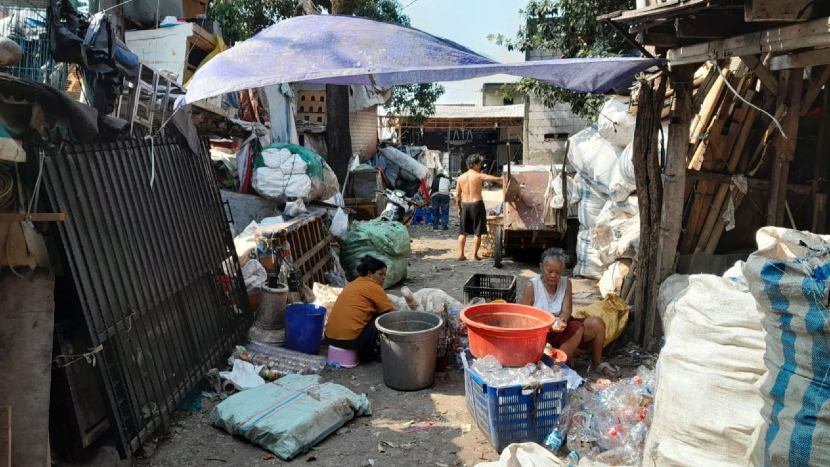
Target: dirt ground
(451, 437)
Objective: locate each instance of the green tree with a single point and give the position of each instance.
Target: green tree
(569, 28)
(242, 19)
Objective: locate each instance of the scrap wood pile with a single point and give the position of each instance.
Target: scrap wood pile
(719, 143)
(735, 177)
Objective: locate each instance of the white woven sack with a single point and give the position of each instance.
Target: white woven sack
(617, 230)
(591, 203)
(588, 263)
(706, 403)
(615, 124)
(284, 160)
(271, 183)
(788, 276)
(600, 163)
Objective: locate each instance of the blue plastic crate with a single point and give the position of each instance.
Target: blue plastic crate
(513, 414)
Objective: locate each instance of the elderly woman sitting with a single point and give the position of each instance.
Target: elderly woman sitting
(551, 291)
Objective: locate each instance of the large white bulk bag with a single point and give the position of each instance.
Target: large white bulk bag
(599, 163)
(271, 183)
(616, 230)
(788, 276)
(588, 263)
(706, 404)
(284, 160)
(591, 203)
(615, 124)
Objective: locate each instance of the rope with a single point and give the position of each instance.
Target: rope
(63, 361)
(152, 158)
(739, 96)
(6, 190)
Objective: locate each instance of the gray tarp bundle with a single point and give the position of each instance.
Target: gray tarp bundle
(357, 51)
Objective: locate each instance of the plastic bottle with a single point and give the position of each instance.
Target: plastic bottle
(573, 459)
(287, 262)
(556, 438)
(411, 301)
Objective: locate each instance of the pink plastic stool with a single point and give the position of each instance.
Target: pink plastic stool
(346, 358)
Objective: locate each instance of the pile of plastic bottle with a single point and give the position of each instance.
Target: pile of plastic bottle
(608, 422)
(278, 361)
(491, 371)
(458, 334)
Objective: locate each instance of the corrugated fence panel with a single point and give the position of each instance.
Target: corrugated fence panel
(155, 268)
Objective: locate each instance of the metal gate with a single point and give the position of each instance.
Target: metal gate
(155, 269)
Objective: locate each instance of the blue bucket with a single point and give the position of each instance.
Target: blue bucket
(304, 327)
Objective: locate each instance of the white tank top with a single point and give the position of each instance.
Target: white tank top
(545, 301)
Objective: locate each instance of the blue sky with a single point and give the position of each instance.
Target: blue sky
(468, 22)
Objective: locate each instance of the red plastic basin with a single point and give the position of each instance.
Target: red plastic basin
(514, 334)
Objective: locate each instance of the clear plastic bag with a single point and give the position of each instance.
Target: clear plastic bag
(339, 223)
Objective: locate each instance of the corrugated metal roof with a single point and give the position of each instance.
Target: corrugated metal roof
(471, 111)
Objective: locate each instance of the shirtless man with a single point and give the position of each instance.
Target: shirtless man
(471, 208)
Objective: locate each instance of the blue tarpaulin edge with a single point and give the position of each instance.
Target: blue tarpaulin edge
(349, 50)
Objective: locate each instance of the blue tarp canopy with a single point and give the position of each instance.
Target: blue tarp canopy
(358, 51)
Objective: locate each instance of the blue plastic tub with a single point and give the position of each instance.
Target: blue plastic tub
(304, 327)
(513, 414)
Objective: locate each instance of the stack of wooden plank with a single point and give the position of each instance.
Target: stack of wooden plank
(717, 144)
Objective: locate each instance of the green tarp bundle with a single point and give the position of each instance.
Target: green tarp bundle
(291, 415)
(385, 240)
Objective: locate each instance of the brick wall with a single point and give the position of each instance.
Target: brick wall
(364, 129)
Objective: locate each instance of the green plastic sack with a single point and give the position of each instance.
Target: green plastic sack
(385, 240)
(311, 158)
(291, 415)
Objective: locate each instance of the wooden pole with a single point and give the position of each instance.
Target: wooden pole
(645, 320)
(748, 116)
(820, 172)
(674, 172)
(717, 144)
(792, 83)
(720, 226)
(707, 110)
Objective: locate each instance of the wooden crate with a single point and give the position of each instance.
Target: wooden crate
(310, 245)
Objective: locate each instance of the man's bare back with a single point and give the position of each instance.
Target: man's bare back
(468, 186)
(471, 209)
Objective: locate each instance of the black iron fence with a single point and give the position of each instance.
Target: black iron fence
(155, 269)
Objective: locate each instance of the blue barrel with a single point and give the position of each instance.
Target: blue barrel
(304, 327)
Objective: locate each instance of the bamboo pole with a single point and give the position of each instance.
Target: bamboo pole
(720, 226)
(734, 158)
(707, 110)
(704, 190)
(785, 148)
(738, 198)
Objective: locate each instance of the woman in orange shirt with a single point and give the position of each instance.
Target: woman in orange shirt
(351, 324)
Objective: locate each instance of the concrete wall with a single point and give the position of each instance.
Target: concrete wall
(364, 129)
(546, 129)
(491, 95)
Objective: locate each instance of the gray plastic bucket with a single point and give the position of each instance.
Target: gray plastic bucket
(408, 345)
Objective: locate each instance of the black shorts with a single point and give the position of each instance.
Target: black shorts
(473, 218)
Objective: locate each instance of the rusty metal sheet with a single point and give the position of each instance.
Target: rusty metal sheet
(526, 213)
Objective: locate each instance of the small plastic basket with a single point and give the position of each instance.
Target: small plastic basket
(490, 287)
(513, 414)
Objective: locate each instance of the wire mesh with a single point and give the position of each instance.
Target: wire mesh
(30, 29)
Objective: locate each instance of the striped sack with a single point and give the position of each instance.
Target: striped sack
(788, 276)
